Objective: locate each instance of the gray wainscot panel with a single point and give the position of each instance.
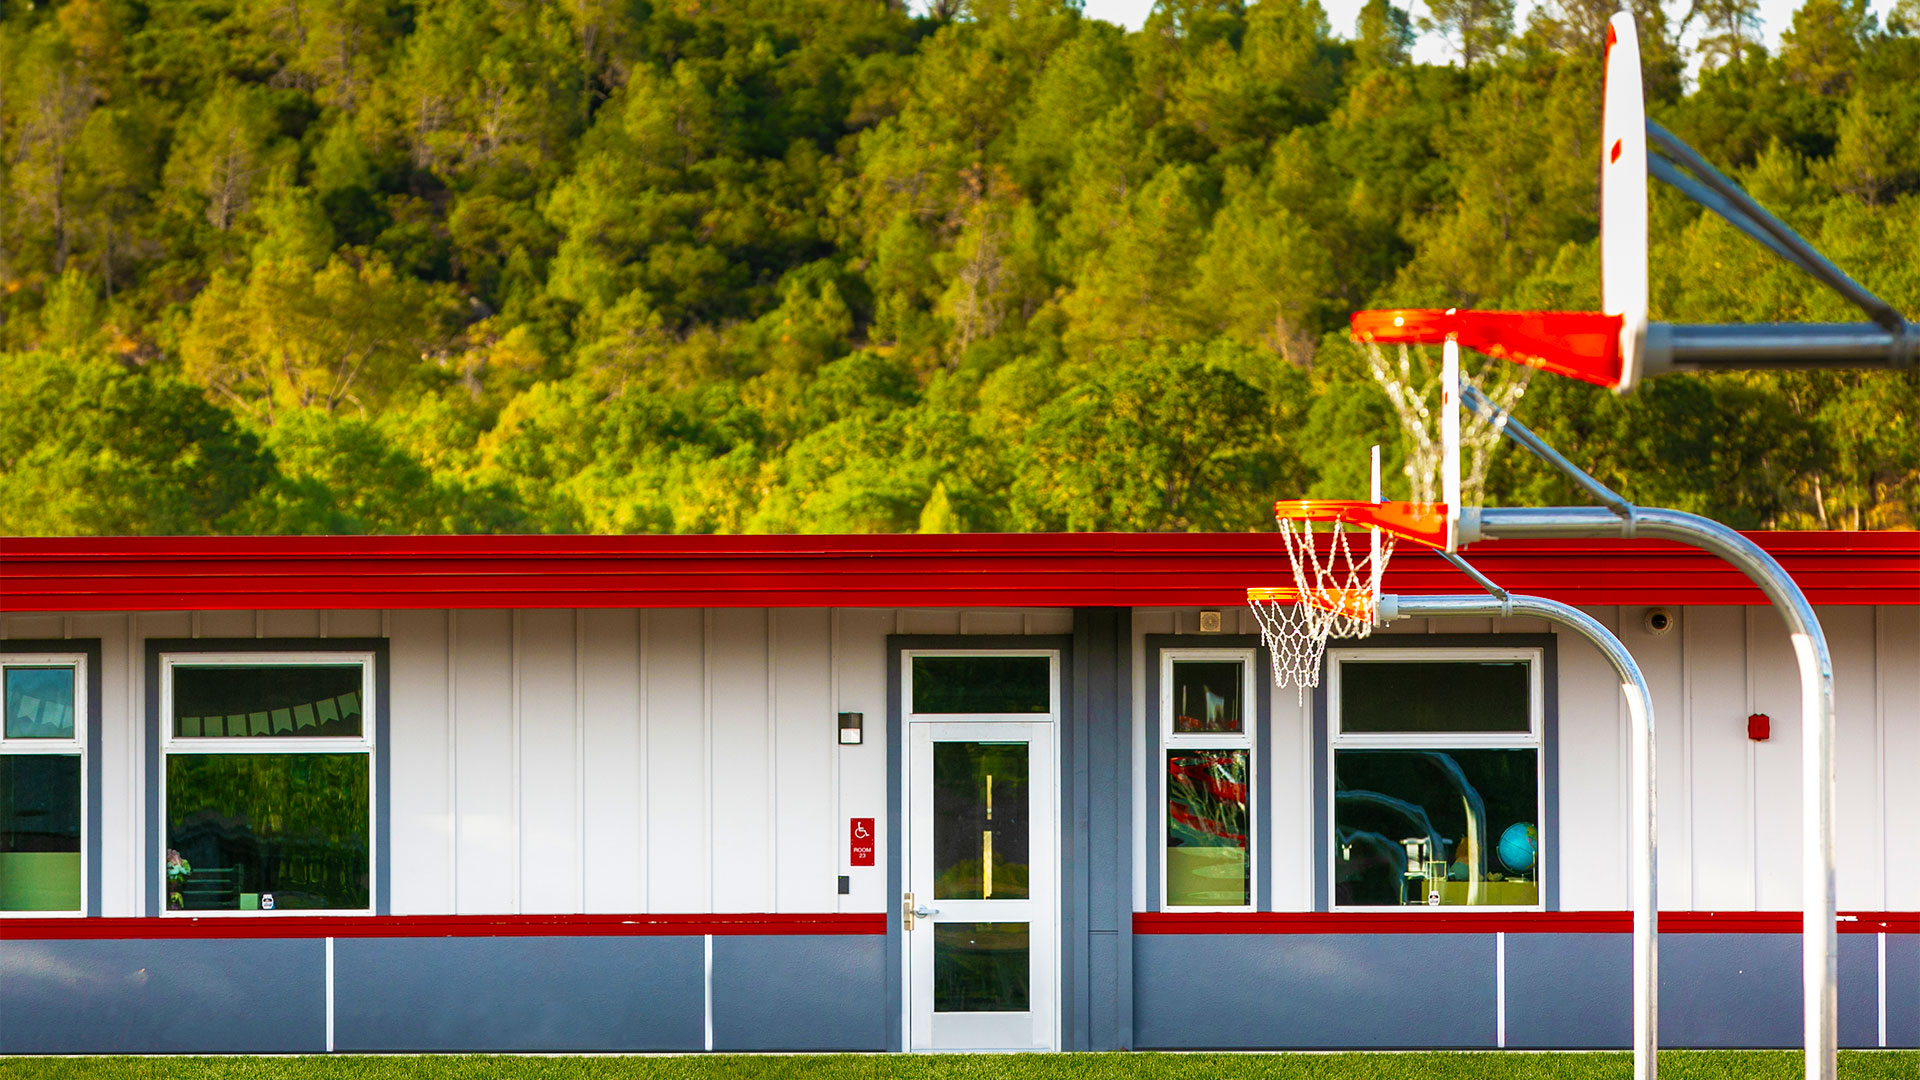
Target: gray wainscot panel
(800, 992)
(1903, 990)
(1248, 991)
(1729, 990)
(519, 993)
(1859, 1000)
(1569, 991)
(152, 996)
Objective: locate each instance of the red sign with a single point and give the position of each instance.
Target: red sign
(860, 841)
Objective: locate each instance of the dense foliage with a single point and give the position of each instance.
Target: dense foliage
(823, 265)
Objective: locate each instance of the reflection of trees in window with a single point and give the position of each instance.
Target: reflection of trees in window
(294, 825)
(1207, 827)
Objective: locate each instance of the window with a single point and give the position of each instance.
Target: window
(1437, 781)
(267, 781)
(43, 787)
(1206, 729)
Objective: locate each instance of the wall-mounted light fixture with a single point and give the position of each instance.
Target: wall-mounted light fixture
(850, 723)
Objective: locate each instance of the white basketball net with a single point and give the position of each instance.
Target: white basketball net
(1332, 597)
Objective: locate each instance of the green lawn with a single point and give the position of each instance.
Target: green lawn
(1676, 1065)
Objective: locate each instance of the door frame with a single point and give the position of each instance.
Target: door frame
(899, 649)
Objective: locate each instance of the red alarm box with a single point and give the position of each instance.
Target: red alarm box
(1759, 727)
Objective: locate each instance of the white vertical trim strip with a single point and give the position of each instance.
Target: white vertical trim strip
(580, 759)
(193, 624)
(329, 995)
(1882, 997)
(137, 772)
(707, 1004)
(706, 773)
(646, 762)
(773, 764)
(514, 767)
(453, 764)
(1500, 988)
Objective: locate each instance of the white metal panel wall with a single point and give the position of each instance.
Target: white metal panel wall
(618, 761)
(1729, 806)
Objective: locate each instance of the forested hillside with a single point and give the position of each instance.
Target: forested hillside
(822, 265)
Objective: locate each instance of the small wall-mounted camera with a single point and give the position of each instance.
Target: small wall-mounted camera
(1657, 621)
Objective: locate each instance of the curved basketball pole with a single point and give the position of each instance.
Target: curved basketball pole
(1426, 523)
(1617, 517)
(1644, 839)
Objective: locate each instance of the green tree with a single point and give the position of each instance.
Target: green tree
(89, 448)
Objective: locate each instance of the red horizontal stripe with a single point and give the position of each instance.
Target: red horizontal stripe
(1453, 921)
(424, 926)
(994, 570)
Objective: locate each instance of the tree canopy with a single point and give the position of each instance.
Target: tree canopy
(833, 266)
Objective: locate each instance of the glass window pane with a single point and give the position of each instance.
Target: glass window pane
(1452, 827)
(1206, 695)
(40, 832)
(980, 821)
(39, 702)
(1207, 828)
(247, 831)
(1423, 696)
(981, 684)
(980, 967)
(303, 700)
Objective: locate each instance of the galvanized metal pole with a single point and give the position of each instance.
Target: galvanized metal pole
(1644, 835)
(1819, 941)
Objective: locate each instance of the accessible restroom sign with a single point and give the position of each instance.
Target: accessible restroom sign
(860, 842)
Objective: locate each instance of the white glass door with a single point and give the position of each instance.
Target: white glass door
(981, 950)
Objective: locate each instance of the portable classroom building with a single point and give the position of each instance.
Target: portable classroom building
(674, 793)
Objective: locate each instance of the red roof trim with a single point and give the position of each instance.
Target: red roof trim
(969, 570)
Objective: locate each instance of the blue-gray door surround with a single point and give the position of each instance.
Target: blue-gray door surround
(1096, 824)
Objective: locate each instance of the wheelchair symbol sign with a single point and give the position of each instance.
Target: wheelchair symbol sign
(860, 842)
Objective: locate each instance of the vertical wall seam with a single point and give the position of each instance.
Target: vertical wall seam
(513, 762)
(453, 764)
(706, 760)
(1753, 763)
(326, 623)
(833, 751)
(136, 671)
(1500, 989)
(193, 624)
(1881, 990)
(329, 995)
(259, 623)
(1686, 757)
(646, 764)
(1882, 818)
(773, 762)
(707, 1001)
(580, 759)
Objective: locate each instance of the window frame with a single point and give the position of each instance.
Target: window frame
(1054, 703)
(1247, 739)
(72, 747)
(1535, 738)
(372, 713)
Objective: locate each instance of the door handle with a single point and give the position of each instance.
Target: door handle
(909, 911)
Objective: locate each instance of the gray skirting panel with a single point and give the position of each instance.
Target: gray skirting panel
(794, 992)
(140, 996)
(519, 993)
(1313, 991)
(1563, 991)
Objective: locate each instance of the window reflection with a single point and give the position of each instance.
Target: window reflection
(1445, 827)
(1207, 828)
